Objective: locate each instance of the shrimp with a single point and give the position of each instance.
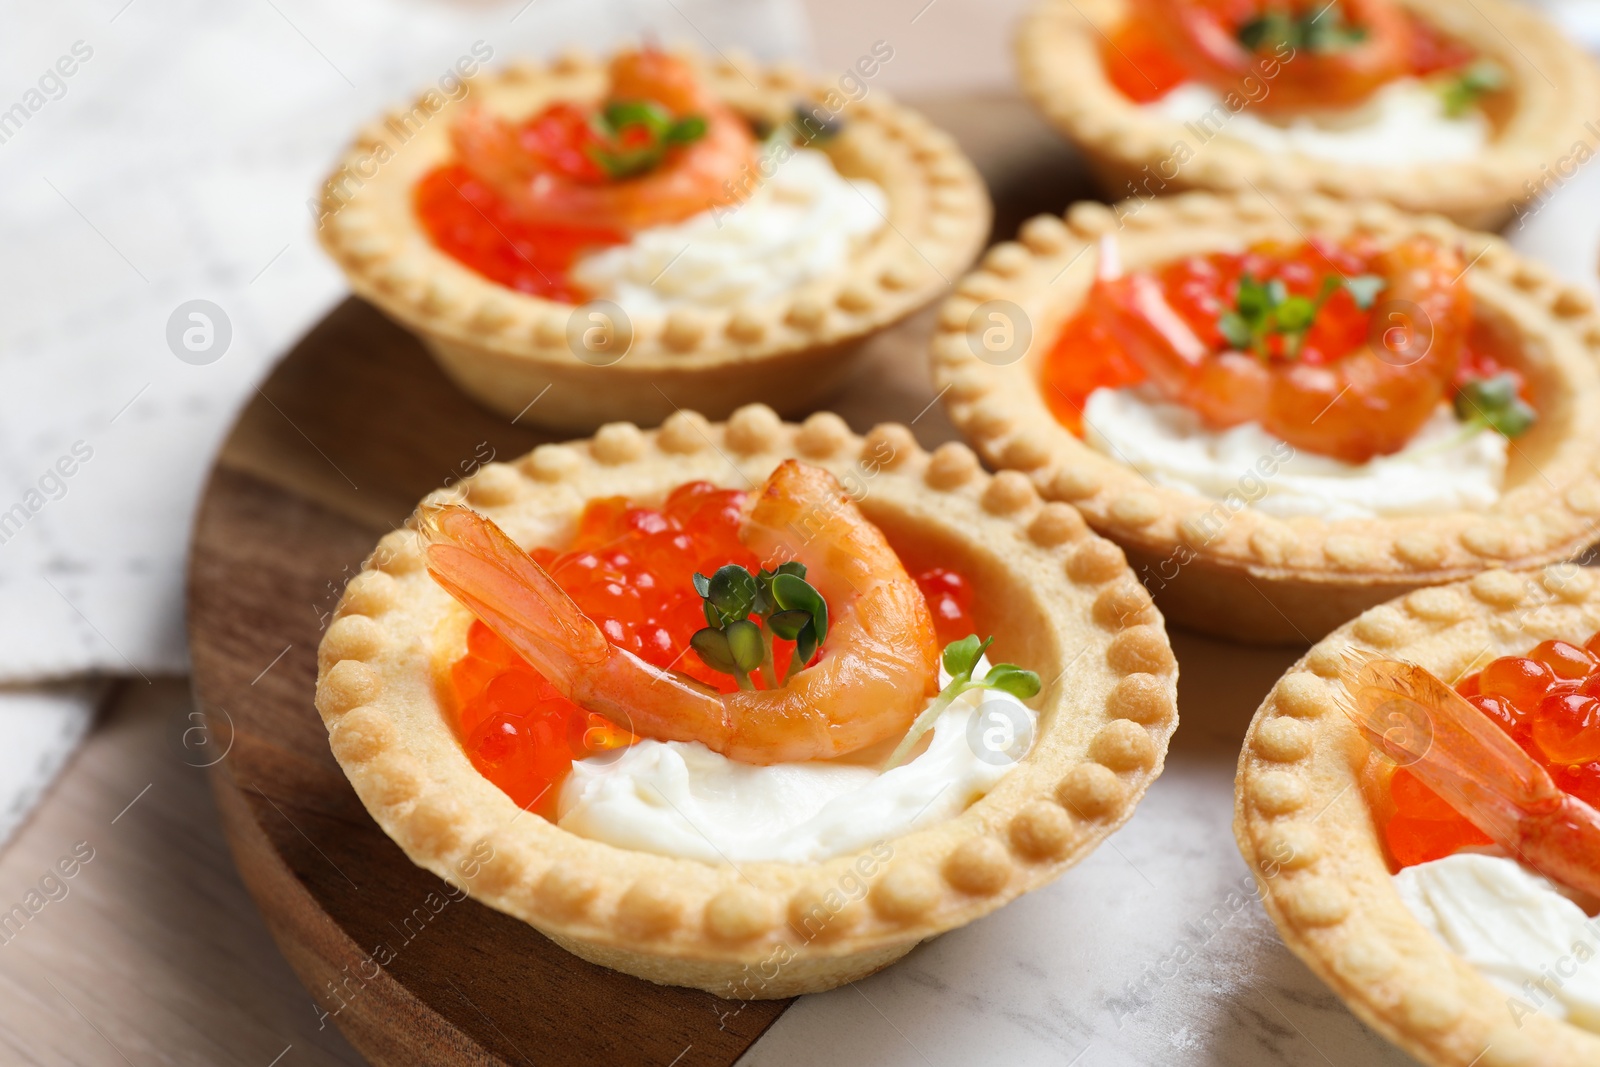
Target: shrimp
(1369, 402)
(878, 666)
(1206, 37)
(1421, 723)
(693, 178)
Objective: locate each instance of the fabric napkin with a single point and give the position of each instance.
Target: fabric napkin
(160, 153)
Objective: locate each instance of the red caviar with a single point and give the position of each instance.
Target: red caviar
(473, 224)
(1549, 703)
(949, 597)
(630, 569)
(1086, 357)
(1143, 69)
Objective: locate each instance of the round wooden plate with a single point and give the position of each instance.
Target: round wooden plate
(307, 481)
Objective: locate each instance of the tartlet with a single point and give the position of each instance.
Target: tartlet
(1306, 830)
(1552, 89)
(1260, 578)
(504, 347)
(1054, 595)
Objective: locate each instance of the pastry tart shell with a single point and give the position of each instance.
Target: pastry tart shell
(1553, 91)
(1308, 835)
(1228, 569)
(504, 347)
(1058, 599)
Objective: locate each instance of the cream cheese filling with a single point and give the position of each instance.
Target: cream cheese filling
(1403, 123)
(682, 799)
(1516, 928)
(1435, 474)
(801, 222)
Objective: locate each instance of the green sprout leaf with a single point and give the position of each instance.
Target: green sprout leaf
(818, 128)
(805, 646)
(636, 136)
(960, 660)
(1296, 314)
(732, 591)
(1461, 91)
(1322, 29)
(1010, 678)
(1493, 404)
(960, 657)
(788, 624)
(745, 612)
(745, 644)
(1264, 311)
(1364, 289)
(792, 593)
(1236, 330)
(687, 131)
(712, 648)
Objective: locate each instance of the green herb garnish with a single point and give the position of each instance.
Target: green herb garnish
(637, 136)
(818, 128)
(1463, 89)
(1264, 310)
(960, 660)
(1322, 32)
(745, 611)
(1493, 404)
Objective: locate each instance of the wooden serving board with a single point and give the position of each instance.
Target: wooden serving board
(351, 429)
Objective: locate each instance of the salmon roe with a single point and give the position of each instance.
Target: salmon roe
(1548, 702)
(630, 569)
(1142, 68)
(1086, 357)
(470, 222)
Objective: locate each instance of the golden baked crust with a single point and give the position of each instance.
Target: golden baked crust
(504, 347)
(1304, 827)
(1241, 573)
(1554, 88)
(1059, 599)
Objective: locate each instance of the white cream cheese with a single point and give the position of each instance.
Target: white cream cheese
(1403, 123)
(1516, 928)
(799, 224)
(1436, 473)
(682, 799)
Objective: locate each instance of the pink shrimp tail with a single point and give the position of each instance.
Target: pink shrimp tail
(1427, 727)
(490, 144)
(501, 584)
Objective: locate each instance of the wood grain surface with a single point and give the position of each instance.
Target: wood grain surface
(351, 429)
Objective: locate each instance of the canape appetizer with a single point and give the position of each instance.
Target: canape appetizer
(1418, 801)
(750, 707)
(1433, 105)
(1285, 413)
(649, 233)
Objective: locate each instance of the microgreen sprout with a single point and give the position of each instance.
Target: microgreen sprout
(637, 135)
(1464, 88)
(960, 660)
(1493, 404)
(1322, 31)
(745, 612)
(1264, 310)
